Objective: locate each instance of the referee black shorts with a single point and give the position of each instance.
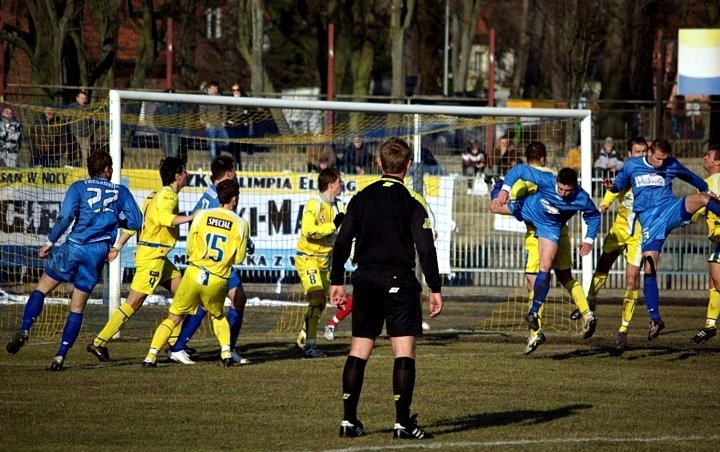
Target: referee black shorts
(386, 295)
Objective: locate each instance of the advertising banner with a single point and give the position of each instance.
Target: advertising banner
(271, 202)
(698, 62)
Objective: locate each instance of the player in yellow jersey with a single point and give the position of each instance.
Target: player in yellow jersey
(217, 240)
(711, 163)
(536, 157)
(157, 237)
(624, 236)
(320, 222)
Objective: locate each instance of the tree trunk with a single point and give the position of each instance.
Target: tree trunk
(613, 124)
(522, 52)
(533, 69)
(147, 47)
(401, 16)
(108, 14)
(246, 32)
(257, 69)
(467, 18)
(49, 32)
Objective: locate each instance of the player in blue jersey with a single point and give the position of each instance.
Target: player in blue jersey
(557, 199)
(222, 168)
(536, 157)
(96, 207)
(659, 211)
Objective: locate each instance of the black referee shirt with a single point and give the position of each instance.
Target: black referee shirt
(388, 222)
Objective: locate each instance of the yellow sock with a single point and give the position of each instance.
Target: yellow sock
(222, 332)
(541, 311)
(162, 334)
(175, 334)
(312, 318)
(629, 302)
(541, 317)
(598, 282)
(114, 324)
(576, 292)
(713, 310)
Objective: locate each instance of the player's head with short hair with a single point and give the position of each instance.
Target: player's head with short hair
(326, 177)
(227, 189)
(395, 155)
(711, 159)
(566, 181)
(715, 149)
(169, 168)
(637, 146)
(661, 145)
(97, 162)
(220, 166)
(659, 151)
(535, 152)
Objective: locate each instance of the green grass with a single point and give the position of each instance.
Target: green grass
(474, 391)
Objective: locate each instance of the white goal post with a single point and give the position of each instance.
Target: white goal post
(118, 97)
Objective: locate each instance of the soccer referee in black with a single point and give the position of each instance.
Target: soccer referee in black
(388, 222)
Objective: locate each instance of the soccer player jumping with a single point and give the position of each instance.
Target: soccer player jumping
(557, 199)
(650, 178)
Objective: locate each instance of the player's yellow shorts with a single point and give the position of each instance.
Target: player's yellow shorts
(314, 273)
(198, 287)
(149, 274)
(563, 259)
(618, 239)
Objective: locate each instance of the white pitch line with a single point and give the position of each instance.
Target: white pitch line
(525, 442)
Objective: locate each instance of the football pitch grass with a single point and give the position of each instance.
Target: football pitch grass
(475, 391)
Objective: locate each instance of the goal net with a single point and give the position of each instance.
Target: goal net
(279, 146)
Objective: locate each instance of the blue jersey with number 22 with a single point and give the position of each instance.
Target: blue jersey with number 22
(98, 208)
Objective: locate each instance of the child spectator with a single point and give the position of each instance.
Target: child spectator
(473, 163)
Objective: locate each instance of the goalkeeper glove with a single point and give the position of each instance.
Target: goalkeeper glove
(250, 250)
(338, 219)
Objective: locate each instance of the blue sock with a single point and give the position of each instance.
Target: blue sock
(73, 322)
(235, 320)
(652, 296)
(189, 327)
(713, 205)
(33, 308)
(540, 290)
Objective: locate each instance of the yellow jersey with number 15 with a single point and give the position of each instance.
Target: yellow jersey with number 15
(217, 240)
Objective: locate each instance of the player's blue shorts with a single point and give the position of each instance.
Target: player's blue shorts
(659, 221)
(80, 264)
(543, 228)
(235, 280)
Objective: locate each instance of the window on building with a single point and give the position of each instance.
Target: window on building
(212, 23)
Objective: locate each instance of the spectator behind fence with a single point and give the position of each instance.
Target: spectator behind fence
(240, 126)
(213, 118)
(357, 158)
(473, 163)
(319, 157)
(504, 155)
(50, 140)
(168, 120)
(82, 128)
(11, 135)
(608, 162)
